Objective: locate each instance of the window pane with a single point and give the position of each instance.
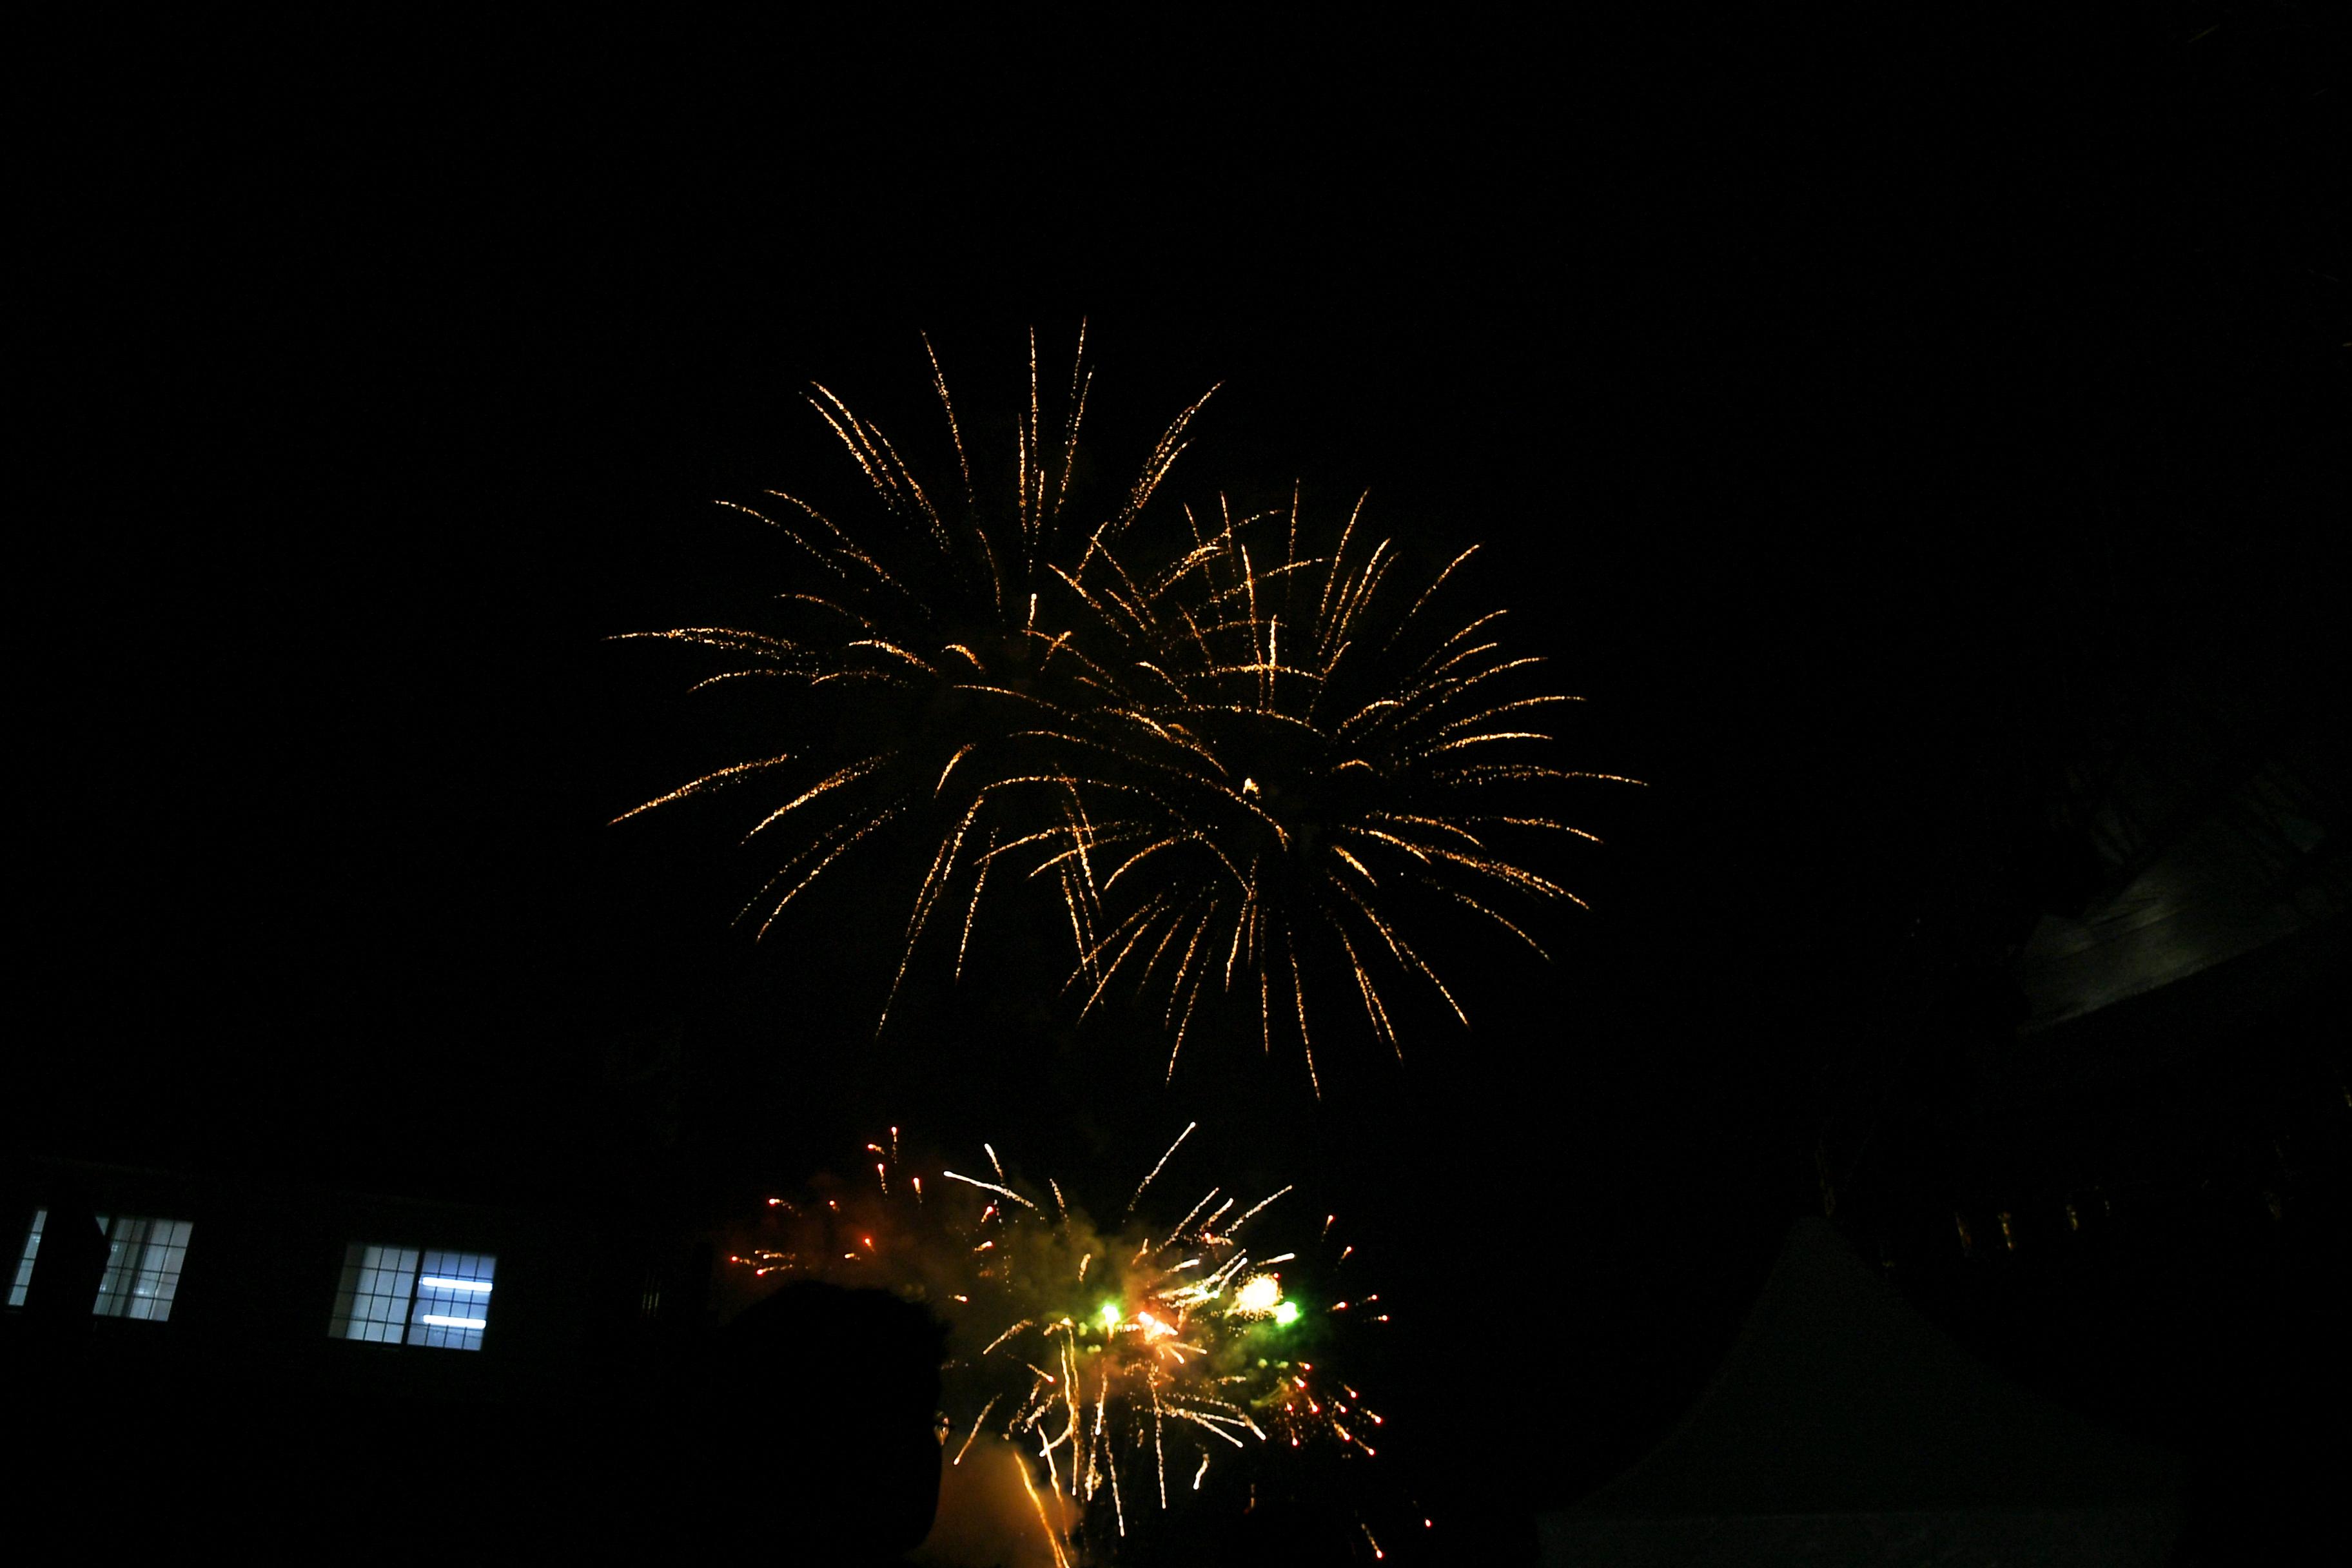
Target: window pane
(453, 1300)
(16, 1287)
(24, 1277)
(372, 1303)
(395, 1295)
(145, 1258)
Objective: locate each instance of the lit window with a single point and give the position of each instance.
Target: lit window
(24, 1276)
(401, 1295)
(143, 1261)
(144, 1256)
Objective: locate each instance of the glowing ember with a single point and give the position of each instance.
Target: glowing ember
(1259, 1297)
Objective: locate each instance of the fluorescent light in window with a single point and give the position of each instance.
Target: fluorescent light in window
(438, 1322)
(436, 1283)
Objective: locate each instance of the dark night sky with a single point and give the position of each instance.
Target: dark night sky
(1817, 398)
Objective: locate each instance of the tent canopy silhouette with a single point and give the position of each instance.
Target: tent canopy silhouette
(1844, 1426)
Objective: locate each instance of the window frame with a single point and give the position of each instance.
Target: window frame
(145, 1257)
(388, 1288)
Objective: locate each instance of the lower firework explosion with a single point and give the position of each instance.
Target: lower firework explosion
(1143, 1372)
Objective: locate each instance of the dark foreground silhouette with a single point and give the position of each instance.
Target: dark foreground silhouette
(808, 1418)
(800, 1433)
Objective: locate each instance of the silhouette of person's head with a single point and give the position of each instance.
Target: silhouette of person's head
(819, 1405)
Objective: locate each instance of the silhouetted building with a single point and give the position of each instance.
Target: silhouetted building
(274, 1360)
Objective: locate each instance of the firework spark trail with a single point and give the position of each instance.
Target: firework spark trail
(975, 1428)
(1053, 1536)
(1157, 1167)
(1096, 1352)
(992, 1186)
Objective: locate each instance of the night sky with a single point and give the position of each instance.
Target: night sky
(1823, 401)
